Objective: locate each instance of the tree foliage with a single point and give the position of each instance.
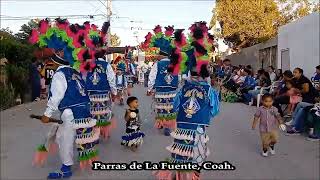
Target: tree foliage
(246, 22)
(294, 9)
(26, 29)
(115, 40)
(14, 50)
(19, 55)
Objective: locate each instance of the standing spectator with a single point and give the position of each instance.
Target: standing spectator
(35, 81)
(272, 73)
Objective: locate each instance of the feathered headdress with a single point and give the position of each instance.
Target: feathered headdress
(55, 36)
(73, 39)
(199, 38)
(122, 66)
(120, 63)
(192, 54)
(162, 41)
(178, 57)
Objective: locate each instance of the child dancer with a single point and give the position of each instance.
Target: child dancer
(121, 81)
(133, 137)
(269, 121)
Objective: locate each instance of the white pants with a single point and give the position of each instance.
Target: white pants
(65, 138)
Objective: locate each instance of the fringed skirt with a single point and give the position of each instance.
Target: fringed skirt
(133, 137)
(87, 137)
(165, 115)
(101, 111)
(189, 145)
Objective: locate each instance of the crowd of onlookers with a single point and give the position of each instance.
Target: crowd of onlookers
(295, 96)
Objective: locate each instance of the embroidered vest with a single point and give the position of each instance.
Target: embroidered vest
(97, 80)
(194, 104)
(75, 97)
(165, 81)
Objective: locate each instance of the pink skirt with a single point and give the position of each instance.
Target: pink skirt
(295, 99)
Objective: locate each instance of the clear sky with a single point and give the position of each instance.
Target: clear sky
(141, 15)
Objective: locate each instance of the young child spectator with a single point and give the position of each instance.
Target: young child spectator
(295, 97)
(270, 120)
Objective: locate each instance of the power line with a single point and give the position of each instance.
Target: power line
(8, 18)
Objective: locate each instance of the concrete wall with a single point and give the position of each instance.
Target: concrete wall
(301, 38)
(251, 55)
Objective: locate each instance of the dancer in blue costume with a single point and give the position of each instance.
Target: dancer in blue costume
(164, 83)
(121, 81)
(69, 96)
(101, 86)
(197, 103)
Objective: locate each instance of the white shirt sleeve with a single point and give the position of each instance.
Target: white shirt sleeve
(111, 79)
(125, 81)
(273, 76)
(57, 89)
(152, 76)
(133, 69)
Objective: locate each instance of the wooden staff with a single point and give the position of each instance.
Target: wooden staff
(50, 119)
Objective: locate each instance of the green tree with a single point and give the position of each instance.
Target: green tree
(246, 22)
(294, 9)
(26, 29)
(19, 55)
(115, 40)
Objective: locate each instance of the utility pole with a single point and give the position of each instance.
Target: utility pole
(109, 13)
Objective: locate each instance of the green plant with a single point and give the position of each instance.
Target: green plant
(18, 77)
(7, 97)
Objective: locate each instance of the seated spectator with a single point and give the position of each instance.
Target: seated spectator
(248, 84)
(300, 82)
(316, 76)
(295, 96)
(250, 69)
(313, 122)
(264, 82)
(257, 76)
(282, 89)
(308, 92)
(227, 68)
(306, 116)
(272, 73)
(239, 77)
(279, 75)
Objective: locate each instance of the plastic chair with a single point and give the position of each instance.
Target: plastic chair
(271, 88)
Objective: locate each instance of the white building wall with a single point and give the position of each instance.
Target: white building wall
(301, 37)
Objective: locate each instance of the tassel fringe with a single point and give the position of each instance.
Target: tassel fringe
(162, 174)
(171, 124)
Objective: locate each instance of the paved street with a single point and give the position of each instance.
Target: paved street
(231, 139)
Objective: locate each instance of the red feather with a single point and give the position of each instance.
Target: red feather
(43, 26)
(34, 38)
